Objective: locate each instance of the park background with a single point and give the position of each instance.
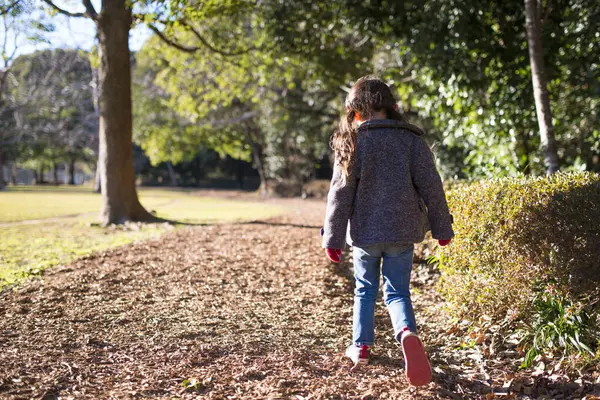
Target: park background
(171, 119)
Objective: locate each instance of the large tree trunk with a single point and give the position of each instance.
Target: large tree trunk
(540, 89)
(41, 176)
(1, 167)
(120, 202)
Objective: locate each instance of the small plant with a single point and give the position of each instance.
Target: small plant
(434, 259)
(558, 324)
(193, 385)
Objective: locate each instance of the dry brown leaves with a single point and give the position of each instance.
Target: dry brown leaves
(241, 311)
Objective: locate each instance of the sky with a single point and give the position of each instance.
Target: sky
(76, 33)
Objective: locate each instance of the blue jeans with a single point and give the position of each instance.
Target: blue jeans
(396, 269)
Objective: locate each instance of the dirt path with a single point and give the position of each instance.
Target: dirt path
(246, 311)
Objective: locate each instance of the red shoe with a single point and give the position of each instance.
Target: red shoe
(418, 370)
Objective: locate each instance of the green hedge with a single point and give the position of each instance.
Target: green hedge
(521, 238)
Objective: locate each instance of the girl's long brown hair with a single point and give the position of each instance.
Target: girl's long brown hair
(367, 96)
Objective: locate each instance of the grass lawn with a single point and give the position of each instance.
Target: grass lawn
(28, 248)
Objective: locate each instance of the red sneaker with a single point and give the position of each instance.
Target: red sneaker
(418, 370)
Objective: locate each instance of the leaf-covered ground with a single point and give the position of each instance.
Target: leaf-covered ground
(237, 311)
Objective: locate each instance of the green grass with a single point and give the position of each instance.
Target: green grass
(26, 203)
(27, 249)
(20, 206)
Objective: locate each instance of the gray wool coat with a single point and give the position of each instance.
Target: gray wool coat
(394, 193)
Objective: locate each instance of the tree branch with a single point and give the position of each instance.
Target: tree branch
(65, 12)
(193, 49)
(6, 10)
(211, 47)
(546, 15)
(91, 11)
(170, 42)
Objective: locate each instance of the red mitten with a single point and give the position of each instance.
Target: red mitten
(334, 254)
(444, 242)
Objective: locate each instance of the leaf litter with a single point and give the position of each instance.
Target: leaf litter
(240, 311)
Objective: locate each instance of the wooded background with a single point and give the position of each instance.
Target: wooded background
(241, 89)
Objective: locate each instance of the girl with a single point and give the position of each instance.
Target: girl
(384, 192)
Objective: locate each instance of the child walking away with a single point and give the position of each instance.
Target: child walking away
(384, 194)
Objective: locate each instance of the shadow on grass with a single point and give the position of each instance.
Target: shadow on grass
(269, 223)
(174, 222)
(51, 189)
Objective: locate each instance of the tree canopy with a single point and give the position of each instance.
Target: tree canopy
(461, 69)
(54, 115)
(265, 82)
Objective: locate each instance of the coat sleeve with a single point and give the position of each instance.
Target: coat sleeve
(340, 201)
(428, 183)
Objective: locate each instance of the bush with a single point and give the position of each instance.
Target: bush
(517, 235)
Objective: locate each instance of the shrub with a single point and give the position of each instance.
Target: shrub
(517, 235)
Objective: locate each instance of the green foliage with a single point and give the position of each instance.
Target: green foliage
(515, 233)
(178, 109)
(463, 69)
(272, 101)
(558, 324)
(460, 68)
(526, 253)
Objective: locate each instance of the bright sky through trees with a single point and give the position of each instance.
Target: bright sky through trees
(71, 32)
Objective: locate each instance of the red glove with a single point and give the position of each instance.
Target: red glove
(334, 254)
(444, 242)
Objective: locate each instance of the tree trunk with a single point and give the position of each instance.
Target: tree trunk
(98, 180)
(71, 172)
(13, 174)
(55, 173)
(1, 168)
(197, 170)
(120, 201)
(41, 176)
(540, 89)
(260, 166)
(172, 174)
(239, 173)
(96, 97)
